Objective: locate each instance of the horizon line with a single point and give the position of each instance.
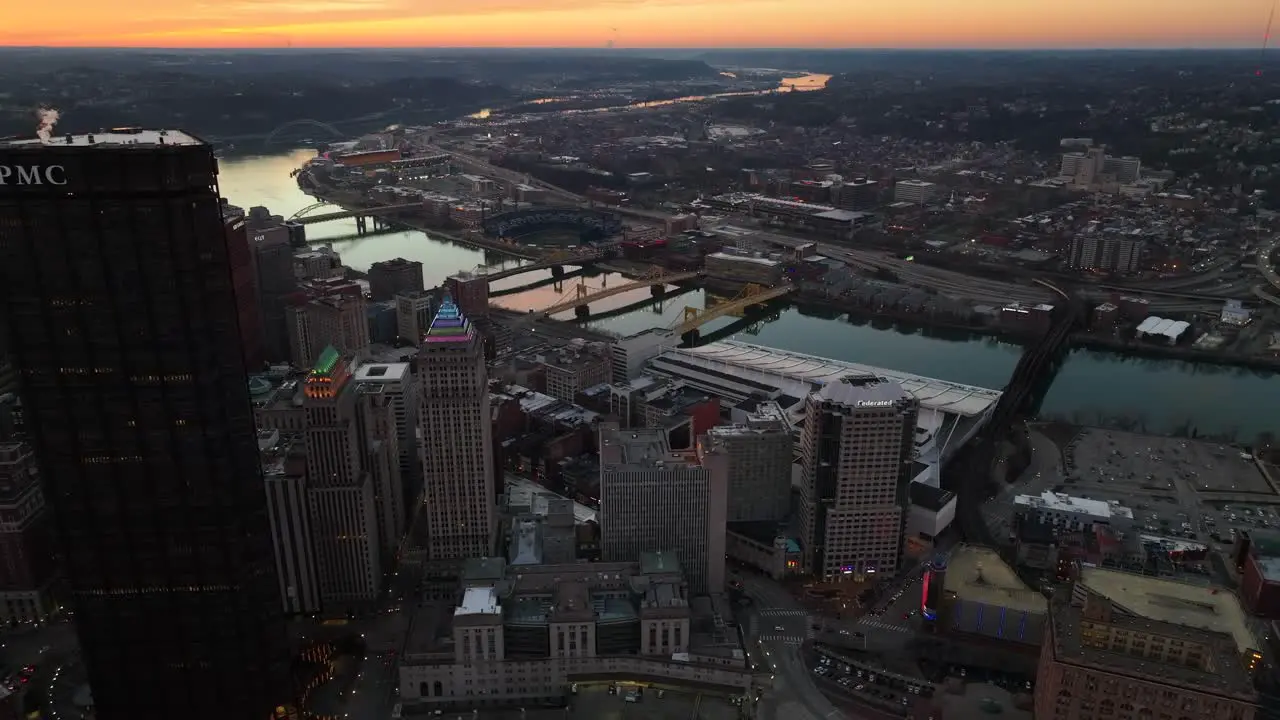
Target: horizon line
(612, 50)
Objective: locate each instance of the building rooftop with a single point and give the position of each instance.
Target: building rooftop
(449, 325)
(1171, 601)
(797, 374)
(743, 258)
(978, 574)
(111, 139)
(638, 447)
(478, 601)
(864, 392)
(383, 372)
(1061, 502)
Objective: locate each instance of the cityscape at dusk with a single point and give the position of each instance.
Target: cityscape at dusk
(640, 360)
(642, 23)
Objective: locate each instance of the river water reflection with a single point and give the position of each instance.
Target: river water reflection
(1091, 387)
(801, 83)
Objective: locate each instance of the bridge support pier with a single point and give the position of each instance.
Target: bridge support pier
(557, 271)
(657, 290)
(582, 311)
(362, 225)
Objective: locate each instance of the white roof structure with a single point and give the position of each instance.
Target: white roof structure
(478, 601)
(123, 136)
(793, 373)
(1171, 329)
(1060, 502)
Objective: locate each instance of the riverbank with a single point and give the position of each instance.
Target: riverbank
(830, 307)
(1175, 352)
(471, 239)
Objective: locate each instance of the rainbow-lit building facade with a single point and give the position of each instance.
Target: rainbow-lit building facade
(449, 325)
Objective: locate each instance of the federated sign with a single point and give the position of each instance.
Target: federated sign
(33, 175)
(874, 403)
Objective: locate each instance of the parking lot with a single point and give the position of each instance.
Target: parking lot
(864, 683)
(1170, 483)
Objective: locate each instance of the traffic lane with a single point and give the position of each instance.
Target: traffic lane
(28, 647)
(373, 694)
(799, 686)
(768, 594)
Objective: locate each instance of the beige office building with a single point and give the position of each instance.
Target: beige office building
(857, 447)
(457, 456)
(655, 500)
(755, 458)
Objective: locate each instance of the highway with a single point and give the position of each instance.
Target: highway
(1265, 264)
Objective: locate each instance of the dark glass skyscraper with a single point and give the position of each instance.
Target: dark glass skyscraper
(122, 324)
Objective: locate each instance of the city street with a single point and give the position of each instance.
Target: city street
(371, 695)
(794, 695)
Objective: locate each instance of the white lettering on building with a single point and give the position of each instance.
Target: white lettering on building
(874, 403)
(33, 175)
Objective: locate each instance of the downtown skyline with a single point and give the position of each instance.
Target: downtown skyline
(980, 24)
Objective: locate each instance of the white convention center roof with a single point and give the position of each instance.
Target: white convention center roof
(791, 371)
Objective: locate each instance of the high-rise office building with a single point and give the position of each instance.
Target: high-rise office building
(398, 381)
(755, 458)
(460, 513)
(243, 283)
(389, 278)
(27, 564)
(284, 470)
(340, 491)
(339, 319)
(857, 447)
(413, 315)
(471, 293)
(122, 323)
(655, 500)
(275, 281)
(379, 440)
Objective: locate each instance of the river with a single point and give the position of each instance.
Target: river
(1164, 394)
(800, 83)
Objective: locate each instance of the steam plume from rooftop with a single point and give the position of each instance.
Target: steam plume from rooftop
(48, 118)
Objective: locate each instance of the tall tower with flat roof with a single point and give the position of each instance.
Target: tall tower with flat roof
(123, 325)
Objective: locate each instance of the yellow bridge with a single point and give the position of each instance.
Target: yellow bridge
(695, 318)
(584, 294)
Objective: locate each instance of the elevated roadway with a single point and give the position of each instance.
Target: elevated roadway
(1265, 264)
(550, 261)
(969, 474)
(484, 167)
(695, 318)
(583, 295)
(1266, 296)
(304, 218)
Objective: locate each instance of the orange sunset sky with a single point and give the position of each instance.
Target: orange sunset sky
(639, 23)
